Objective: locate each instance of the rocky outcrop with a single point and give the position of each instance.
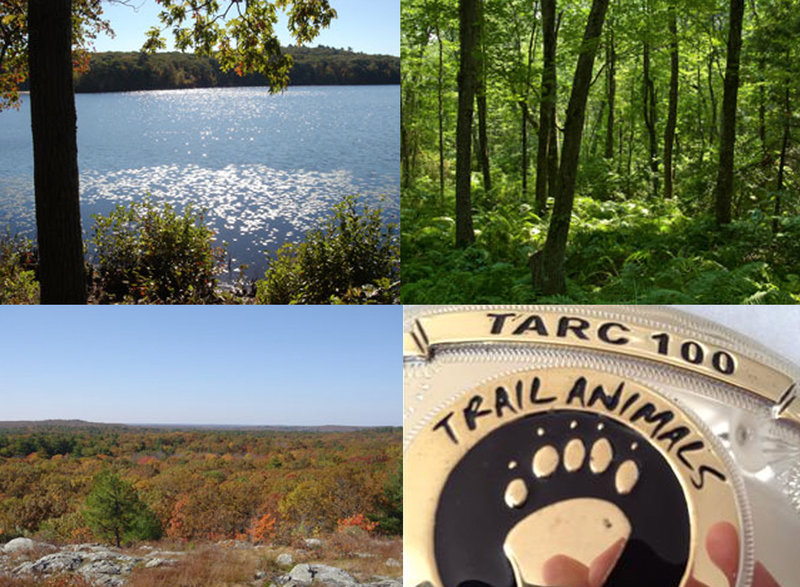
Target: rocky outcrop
(108, 567)
(306, 574)
(284, 559)
(98, 565)
(19, 545)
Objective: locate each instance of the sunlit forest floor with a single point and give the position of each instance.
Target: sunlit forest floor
(640, 251)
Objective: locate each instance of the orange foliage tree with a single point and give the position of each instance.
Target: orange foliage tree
(262, 529)
(357, 521)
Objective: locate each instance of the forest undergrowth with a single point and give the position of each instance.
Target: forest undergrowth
(640, 251)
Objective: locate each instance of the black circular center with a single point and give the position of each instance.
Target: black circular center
(473, 519)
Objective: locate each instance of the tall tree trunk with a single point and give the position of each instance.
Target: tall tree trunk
(547, 266)
(701, 117)
(611, 87)
(440, 92)
(713, 96)
(594, 136)
(62, 274)
(762, 110)
(552, 160)
(483, 145)
(672, 109)
(523, 109)
(787, 121)
(547, 107)
(649, 104)
(405, 159)
(467, 80)
(724, 189)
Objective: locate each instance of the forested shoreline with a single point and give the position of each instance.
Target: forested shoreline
(597, 152)
(134, 71)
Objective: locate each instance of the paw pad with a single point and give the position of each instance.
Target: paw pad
(546, 461)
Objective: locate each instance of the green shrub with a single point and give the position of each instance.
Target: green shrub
(114, 511)
(351, 258)
(17, 278)
(151, 255)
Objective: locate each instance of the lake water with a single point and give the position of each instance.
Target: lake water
(266, 168)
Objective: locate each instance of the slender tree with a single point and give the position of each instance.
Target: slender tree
(672, 108)
(611, 88)
(440, 101)
(649, 109)
(724, 190)
(547, 107)
(481, 59)
(547, 266)
(62, 275)
(467, 80)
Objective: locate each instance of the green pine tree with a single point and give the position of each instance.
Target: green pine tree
(113, 510)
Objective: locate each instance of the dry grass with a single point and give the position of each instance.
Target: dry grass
(207, 566)
(216, 565)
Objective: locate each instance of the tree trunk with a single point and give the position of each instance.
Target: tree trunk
(672, 109)
(611, 86)
(649, 104)
(467, 79)
(787, 121)
(483, 146)
(523, 109)
(701, 110)
(440, 92)
(724, 189)
(713, 96)
(552, 160)
(62, 274)
(547, 266)
(594, 136)
(547, 107)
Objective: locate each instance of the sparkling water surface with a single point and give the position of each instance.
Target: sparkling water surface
(265, 168)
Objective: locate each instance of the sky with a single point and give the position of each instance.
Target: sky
(369, 26)
(251, 365)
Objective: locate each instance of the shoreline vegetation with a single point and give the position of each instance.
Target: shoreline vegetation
(147, 254)
(116, 71)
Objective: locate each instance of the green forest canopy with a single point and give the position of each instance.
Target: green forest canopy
(668, 116)
(133, 71)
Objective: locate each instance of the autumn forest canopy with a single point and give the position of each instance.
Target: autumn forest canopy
(194, 484)
(600, 151)
(133, 71)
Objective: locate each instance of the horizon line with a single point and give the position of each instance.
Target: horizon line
(187, 424)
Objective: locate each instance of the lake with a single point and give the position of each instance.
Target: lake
(265, 168)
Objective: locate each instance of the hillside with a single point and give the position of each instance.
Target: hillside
(122, 72)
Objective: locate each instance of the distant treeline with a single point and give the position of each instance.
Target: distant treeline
(123, 72)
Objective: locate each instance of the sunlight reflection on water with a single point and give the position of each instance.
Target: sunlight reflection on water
(266, 168)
